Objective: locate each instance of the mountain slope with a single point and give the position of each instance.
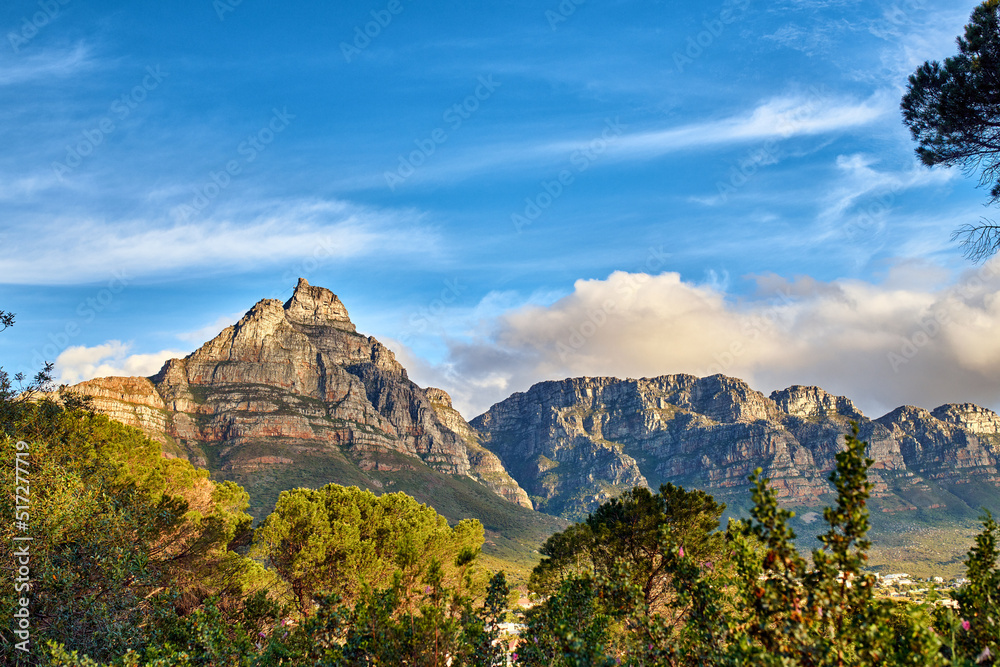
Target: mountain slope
(573, 444)
(293, 395)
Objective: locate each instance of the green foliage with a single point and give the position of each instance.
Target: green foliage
(337, 539)
(952, 110)
(120, 535)
(118, 532)
(612, 580)
(385, 628)
(573, 627)
(627, 533)
(769, 606)
(979, 600)
(826, 615)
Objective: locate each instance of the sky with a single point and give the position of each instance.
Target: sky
(502, 192)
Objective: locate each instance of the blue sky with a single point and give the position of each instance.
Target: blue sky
(502, 192)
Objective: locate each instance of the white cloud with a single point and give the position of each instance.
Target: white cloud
(819, 38)
(22, 187)
(883, 345)
(914, 33)
(112, 358)
(777, 118)
(67, 251)
(54, 63)
(863, 196)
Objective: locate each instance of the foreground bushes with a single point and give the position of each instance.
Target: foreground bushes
(120, 537)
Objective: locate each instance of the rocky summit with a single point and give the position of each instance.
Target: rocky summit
(575, 443)
(292, 395)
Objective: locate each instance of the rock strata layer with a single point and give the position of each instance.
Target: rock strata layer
(573, 444)
(294, 386)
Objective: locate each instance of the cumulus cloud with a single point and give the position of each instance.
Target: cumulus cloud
(888, 344)
(112, 358)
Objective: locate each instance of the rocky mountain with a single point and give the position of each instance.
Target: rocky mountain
(573, 444)
(292, 395)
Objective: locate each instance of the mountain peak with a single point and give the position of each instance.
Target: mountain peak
(979, 420)
(317, 306)
(806, 402)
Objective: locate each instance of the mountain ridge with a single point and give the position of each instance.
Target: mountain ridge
(712, 432)
(293, 395)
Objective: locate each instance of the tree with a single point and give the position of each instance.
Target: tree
(772, 608)
(122, 539)
(953, 112)
(626, 532)
(120, 535)
(337, 539)
(979, 600)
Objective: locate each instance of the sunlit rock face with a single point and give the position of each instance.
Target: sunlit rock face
(573, 444)
(292, 384)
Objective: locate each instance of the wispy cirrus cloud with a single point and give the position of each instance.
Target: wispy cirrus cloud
(46, 65)
(860, 182)
(778, 118)
(82, 250)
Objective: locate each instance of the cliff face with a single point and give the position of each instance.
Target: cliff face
(293, 386)
(572, 444)
(487, 466)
